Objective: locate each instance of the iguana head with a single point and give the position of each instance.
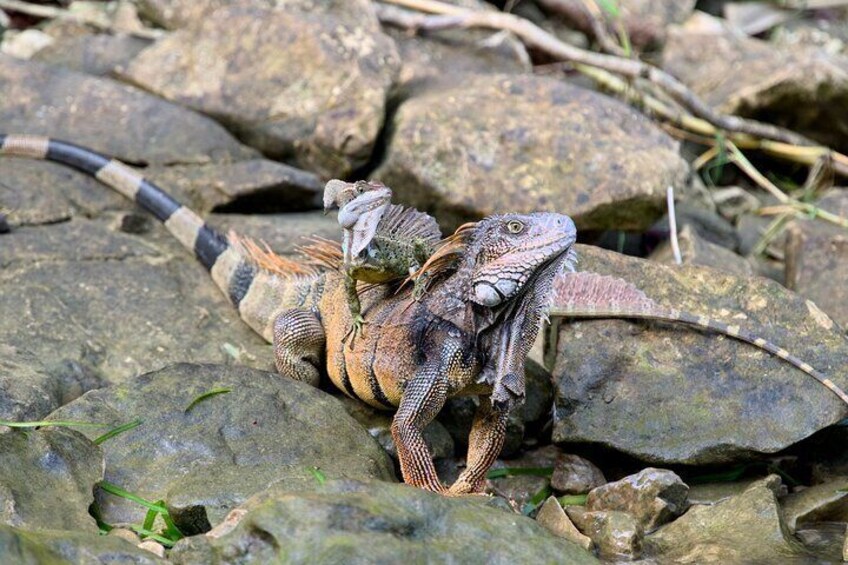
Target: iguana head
(511, 251)
(337, 192)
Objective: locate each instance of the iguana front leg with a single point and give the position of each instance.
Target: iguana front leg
(484, 445)
(423, 397)
(299, 342)
(355, 310)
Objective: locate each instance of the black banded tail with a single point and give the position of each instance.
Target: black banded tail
(257, 294)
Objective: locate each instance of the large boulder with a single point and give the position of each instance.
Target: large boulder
(206, 459)
(60, 547)
(750, 77)
(521, 143)
(114, 303)
(667, 393)
(296, 84)
(374, 522)
(47, 479)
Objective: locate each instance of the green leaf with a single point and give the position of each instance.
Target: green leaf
(610, 7)
(520, 472)
(573, 499)
(150, 517)
(536, 500)
(56, 423)
(118, 491)
(319, 475)
(207, 394)
(119, 430)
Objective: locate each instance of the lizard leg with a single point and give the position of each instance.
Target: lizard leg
(484, 445)
(355, 311)
(299, 343)
(422, 399)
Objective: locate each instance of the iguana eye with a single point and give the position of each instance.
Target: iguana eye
(514, 226)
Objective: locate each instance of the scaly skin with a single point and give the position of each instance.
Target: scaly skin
(421, 352)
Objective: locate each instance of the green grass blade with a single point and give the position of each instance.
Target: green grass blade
(536, 500)
(118, 430)
(573, 500)
(520, 472)
(319, 475)
(208, 394)
(150, 517)
(57, 423)
(118, 491)
(147, 534)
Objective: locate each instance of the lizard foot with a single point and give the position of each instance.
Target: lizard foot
(463, 488)
(355, 330)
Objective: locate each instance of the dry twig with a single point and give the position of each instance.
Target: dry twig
(51, 12)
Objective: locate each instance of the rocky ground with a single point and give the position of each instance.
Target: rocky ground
(646, 442)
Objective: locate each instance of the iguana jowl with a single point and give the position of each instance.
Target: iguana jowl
(382, 242)
(489, 286)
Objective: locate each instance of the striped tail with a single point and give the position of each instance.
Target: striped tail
(590, 295)
(255, 293)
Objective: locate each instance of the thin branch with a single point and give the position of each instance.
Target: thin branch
(597, 23)
(672, 226)
(50, 12)
(535, 37)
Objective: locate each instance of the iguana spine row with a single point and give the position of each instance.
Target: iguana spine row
(590, 295)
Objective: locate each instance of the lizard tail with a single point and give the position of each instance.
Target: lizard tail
(250, 288)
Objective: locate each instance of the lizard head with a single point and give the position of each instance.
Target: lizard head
(511, 250)
(337, 193)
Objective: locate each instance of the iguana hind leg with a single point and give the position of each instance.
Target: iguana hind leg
(299, 342)
(422, 399)
(484, 445)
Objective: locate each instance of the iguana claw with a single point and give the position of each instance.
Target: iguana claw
(355, 329)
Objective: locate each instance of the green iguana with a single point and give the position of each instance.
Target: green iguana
(489, 286)
(383, 242)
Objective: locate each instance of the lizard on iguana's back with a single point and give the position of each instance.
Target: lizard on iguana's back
(489, 286)
(590, 295)
(383, 242)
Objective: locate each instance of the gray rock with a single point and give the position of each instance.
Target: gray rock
(376, 523)
(652, 496)
(446, 57)
(269, 430)
(47, 477)
(617, 535)
(817, 259)
(520, 488)
(746, 528)
(529, 143)
(379, 426)
(58, 547)
(714, 392)
(282, 232)
(174, 14)
(125, 304)
(109, 117)
(553, 518)
(575, 475)
(749, 77)
(257, 185)
(322, 105)
(96, 55)
(710, 493)
(697, 251)
(29, 390)
(826, 502)
(646, 21)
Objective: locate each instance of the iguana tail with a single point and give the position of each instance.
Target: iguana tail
(257, 293)
(590, 295)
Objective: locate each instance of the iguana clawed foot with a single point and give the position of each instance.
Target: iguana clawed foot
(355, 330)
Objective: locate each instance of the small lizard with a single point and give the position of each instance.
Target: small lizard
(489, 285)
(383, 242)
